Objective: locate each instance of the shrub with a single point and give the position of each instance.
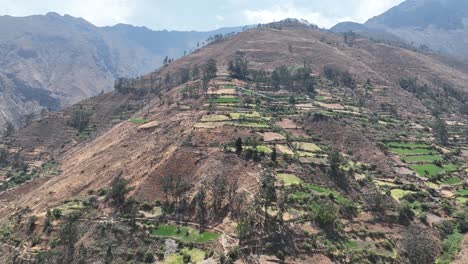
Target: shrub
(149, 257)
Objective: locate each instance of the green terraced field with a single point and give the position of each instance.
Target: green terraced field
(184, 234)
(432, 169)
(306, 146)
(224, 100)
(397, 194)
(289, 179)
(196, 256)
(407, 145)
(421, 158)
(416, 151)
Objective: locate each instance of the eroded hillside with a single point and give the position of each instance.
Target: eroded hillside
(279, 144)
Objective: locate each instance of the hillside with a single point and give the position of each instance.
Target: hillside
(53, 61)
(439, 25)
(299, 147)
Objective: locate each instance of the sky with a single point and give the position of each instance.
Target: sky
(202, 14)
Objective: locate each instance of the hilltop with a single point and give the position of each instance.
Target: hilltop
(282, 143)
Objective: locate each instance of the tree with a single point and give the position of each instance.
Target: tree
(184, 75)
(218, 192)
(441, 133)
(238, 145)
(335, 162)
(238, 67)
(195, 72)
(273, 154)
(200, 207)
(405, 213)
(210, 69)
(419, 245)
(267, 192)
(118, 190)
(327, 216)
(9, 129)
(109, 256)
(80, 119)
(68, 235)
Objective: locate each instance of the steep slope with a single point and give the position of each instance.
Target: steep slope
(437, 24)
(338, 174)
(53, 61)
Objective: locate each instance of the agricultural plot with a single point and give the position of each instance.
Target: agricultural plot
(288, 179)
(224, 100)
(196, 256)
(421, 158)
(431, 170)
(398, 194)
(307, 147)
(183, 234)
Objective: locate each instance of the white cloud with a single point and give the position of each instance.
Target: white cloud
(358, 11)
(278, 13)
(219, 17)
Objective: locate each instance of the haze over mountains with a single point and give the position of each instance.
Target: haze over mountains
(52, 61)
(441, 25)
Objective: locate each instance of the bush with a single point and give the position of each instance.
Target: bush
(186, 258)
(405, 214)
(149, 257)
(147, 207)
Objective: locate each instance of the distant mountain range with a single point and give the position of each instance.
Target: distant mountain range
(440, 25)
(52, 61)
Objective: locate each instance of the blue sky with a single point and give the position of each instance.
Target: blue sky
(201, 14)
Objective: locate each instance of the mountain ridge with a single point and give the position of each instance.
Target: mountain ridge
(68, 59)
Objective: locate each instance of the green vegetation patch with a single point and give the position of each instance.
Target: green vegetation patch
(408, 145)
(72, 206)
(184, 234)
(452, 181)
(309, 147)
(451, 246)
(398, 194)
(249, 124)
(289, 179)
(138, 120)
(430, 170)
(416, 151)
(246, 115)
(196, 256)
(463, 193)
(422, 158)
(215, 118)
(325, 191)
(224, 100)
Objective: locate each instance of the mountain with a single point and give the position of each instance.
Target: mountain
(440, 25)
(52, 61)
(282, 143)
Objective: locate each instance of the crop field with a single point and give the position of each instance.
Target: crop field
(415, 151)
(308, 147)
(184, 234)
(289, 179)
(430, 170)
(422, 158)
(224, 100)
(398, 194)
(196, 256)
